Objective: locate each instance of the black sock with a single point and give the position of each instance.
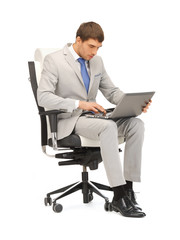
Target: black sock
(118, 192)
(129, 185)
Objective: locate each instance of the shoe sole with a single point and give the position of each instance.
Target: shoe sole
(117, 210)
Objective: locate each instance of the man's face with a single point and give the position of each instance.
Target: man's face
(87, 49)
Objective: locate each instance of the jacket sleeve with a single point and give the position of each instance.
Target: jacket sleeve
(112, 93)
(47, 87)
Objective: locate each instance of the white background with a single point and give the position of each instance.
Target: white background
(141, 52)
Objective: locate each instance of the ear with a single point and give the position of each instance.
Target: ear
(78, 40)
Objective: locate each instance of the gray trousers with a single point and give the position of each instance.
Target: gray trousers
(107, 131)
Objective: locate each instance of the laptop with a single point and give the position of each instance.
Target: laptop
(130, 105)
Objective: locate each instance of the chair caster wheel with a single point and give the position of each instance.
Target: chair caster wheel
(47, 201)
(90, 197)
(57, 207)
(107, 207)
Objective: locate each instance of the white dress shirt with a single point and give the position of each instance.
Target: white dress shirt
(76, 56)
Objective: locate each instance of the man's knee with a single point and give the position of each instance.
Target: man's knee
(137, 125)
(108, 125)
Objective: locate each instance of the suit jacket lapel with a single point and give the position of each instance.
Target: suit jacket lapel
(91, 67)
(72, 63)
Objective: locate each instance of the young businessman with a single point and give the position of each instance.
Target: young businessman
(70, 80)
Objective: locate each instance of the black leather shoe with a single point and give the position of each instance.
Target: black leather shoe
(126, 208)
(131, 195)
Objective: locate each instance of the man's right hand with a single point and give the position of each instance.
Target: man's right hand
(91, 106)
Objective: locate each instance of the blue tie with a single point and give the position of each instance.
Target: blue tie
(84, 73)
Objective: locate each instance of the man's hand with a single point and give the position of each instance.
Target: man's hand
(147, 106)
(91, 106)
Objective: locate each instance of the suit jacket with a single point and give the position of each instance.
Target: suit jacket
(61, 85)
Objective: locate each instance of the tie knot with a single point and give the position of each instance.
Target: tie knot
(81, 60)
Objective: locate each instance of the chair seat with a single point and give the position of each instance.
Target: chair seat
(75, 140)
(86, 142)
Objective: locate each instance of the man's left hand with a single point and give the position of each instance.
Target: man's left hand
(147, 106)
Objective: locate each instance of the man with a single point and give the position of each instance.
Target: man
(70, 80)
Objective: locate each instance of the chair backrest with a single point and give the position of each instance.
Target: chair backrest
(41, 53)
(35, 69)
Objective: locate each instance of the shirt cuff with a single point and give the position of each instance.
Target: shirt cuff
(76, 103)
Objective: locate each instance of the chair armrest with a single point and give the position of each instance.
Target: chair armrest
(49, 112)
(52, 114)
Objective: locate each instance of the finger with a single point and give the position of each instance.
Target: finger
(150, 101)
(101, 111)
(147, 103)
(144, 109)
(94, 110)
(100, 108)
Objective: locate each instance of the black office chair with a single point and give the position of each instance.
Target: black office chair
(77, 149)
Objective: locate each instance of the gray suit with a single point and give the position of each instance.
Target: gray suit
(61, 85)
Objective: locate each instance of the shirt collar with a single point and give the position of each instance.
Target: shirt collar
(75, 55)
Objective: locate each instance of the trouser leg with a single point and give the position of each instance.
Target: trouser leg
(110, 154)
(133, 131)
(106, 132)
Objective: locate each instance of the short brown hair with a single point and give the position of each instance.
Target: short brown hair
(90, 30)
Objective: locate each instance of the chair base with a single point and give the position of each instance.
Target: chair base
(88, 188)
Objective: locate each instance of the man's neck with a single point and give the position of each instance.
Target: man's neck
(74, 52)
(74, 45)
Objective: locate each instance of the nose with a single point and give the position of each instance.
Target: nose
(94, 52)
